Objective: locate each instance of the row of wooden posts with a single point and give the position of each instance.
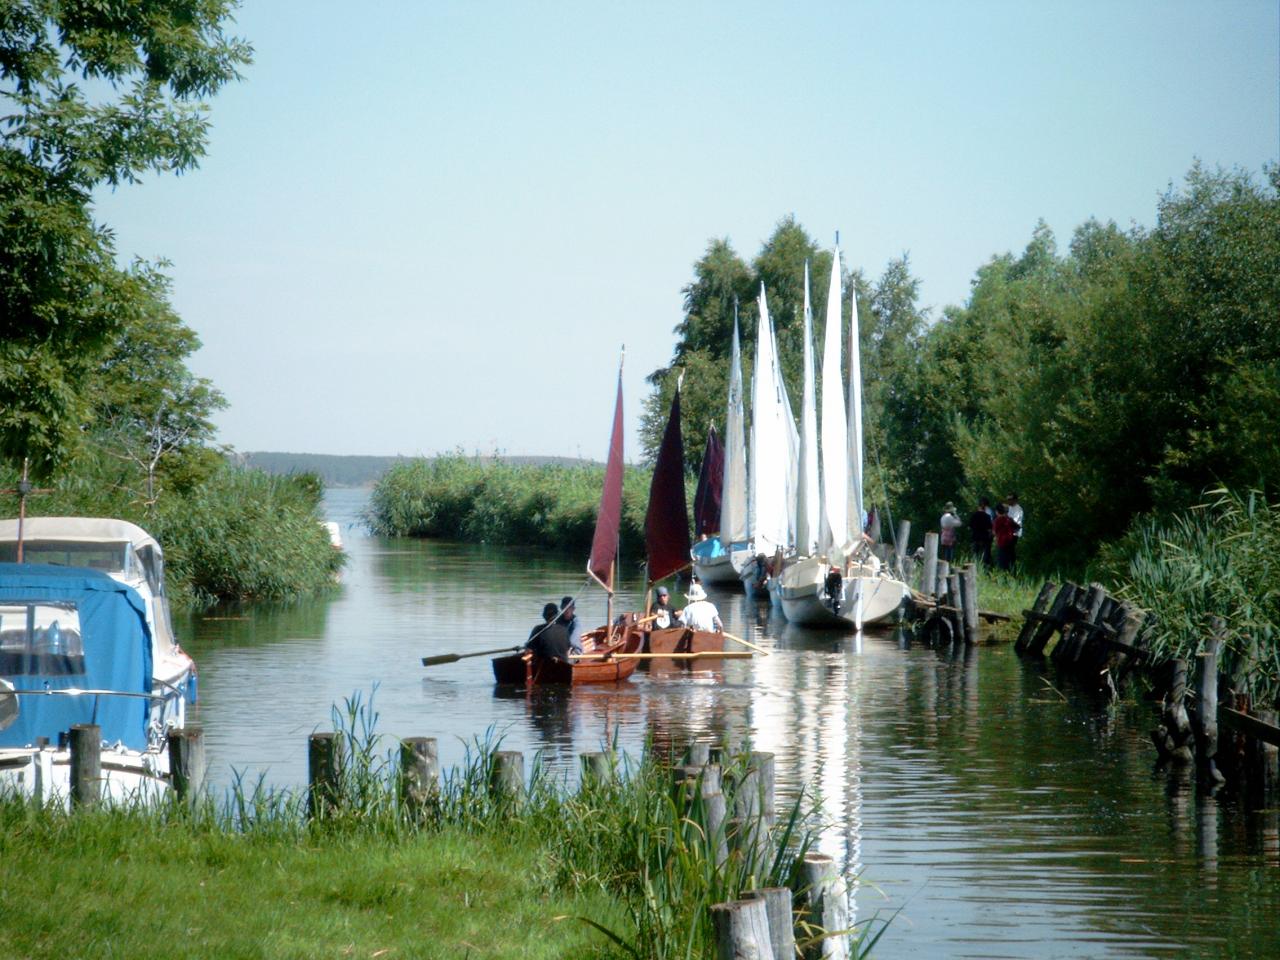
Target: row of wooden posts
(1101, 642)
(762, 924)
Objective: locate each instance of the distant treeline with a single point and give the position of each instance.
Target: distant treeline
(364, 471)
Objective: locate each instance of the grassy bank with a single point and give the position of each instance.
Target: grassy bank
(470, 873)
(489, 501)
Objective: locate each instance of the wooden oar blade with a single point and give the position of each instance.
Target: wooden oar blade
(452, 657)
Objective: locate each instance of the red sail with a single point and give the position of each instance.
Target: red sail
(604, 546)
(666, 523)
(706, 501)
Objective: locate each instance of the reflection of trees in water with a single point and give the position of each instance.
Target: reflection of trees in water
(251, 625)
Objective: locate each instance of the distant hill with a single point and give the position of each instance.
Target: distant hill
(357, 471)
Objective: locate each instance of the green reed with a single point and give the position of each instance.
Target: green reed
(1221, 558)
(488, 501)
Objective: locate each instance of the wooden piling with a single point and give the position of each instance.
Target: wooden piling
(506, 779)
(1206, 726)
(715, 811)
(969, 591)
(1051, 622)
(749, 838)
(742, 930)
(1085, 614)
(828, 906)
(956, 601)
(86, 765)
(419, 774)
(940, 588)
(1030, 624)
(186, 762)
(782, 931)
(596, 768)
(929, 572)
(754, 795)
(901, 546)
(698, 754)
(324, 771)
(1124, 649)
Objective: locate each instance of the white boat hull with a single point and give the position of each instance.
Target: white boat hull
(43, 776)
(715, 570)
(866, 596)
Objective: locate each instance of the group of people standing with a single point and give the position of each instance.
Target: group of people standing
(1001, 527)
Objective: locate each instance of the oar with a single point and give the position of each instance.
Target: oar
(700, 655)
(451, 657)
(745, 643)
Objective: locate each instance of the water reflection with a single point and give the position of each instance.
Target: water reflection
(1001, 816)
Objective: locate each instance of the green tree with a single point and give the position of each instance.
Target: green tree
(94, 93)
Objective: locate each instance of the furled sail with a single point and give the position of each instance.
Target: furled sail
(855, 419)
(767, 509)
(666, 521)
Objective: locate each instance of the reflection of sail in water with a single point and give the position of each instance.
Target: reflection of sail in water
(804, 709)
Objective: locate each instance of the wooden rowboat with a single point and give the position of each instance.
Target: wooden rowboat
(683, 640)
(528, 670)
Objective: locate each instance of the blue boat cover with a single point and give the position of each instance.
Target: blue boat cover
(116, 656)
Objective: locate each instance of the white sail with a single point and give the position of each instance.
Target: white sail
(767, 469)
(855, 419)
(809, 493)
(833, 428)
(733, 491)
(792, 437)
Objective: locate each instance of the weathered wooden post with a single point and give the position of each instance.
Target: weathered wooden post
(86, 765)
(324, 772)
(929, 572)
(900, 548)
(782, 930)
(506, 779)
(1030, 623)
(742, 930)
(186, 762)
(1206, 726)
(828, 906)
(1125, 649)
(698, 755)
(1170, 737)
(969, 589)
(749, 838)
(754, 795)
(956, 602)
(596, 768)
(1053, 620)
(940, 588)
(419, 780)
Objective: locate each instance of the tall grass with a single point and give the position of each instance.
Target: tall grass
(625, 865)
(488, 501)
(1219, 559)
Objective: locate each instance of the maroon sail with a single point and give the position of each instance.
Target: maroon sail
(706, 501)
(666, 522)
(604, 545)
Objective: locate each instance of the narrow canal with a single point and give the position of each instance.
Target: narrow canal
(987, 813)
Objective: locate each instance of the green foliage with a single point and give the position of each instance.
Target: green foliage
(145, 65)
(490, 501)
(1221, 558)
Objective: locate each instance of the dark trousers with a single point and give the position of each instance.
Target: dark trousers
(982, 550)
(1006, 557)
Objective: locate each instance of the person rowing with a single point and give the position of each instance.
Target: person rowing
(701, 613)
(550, 638)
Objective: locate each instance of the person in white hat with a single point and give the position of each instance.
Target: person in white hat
(701, 613)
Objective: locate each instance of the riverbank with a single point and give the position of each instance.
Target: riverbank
(479, 864)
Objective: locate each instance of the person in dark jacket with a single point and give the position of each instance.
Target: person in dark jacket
(980, 531)
(572, 625)
(550, 638)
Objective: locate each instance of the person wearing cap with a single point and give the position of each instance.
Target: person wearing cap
(661, 610)
(701, 613)
(572, 624)
(948, 525)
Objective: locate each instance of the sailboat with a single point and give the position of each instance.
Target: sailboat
(711, 557)
(598, 663)
(842, 584)
(770, 474)
(666, 538)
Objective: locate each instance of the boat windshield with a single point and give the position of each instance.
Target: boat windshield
(107, 557)
(40, 638)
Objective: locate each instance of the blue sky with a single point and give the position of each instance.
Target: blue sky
(424, 226)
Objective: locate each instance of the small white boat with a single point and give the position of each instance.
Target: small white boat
(86, 637)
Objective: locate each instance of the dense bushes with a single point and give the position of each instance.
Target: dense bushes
(227, 533)
(489, 501)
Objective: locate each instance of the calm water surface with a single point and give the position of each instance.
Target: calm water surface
(991, 816)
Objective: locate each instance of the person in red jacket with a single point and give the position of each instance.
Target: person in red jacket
(1006, 530)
